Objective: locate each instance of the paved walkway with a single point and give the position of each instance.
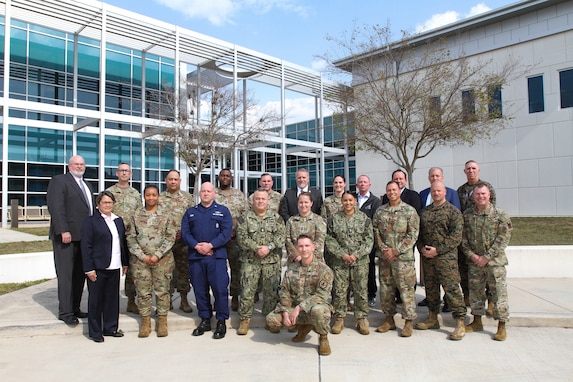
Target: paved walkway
(34, 345)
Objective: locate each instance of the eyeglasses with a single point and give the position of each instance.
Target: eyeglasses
(123, 170)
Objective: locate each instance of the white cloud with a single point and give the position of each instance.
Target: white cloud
(478, 9)
(219, 12)
(441, 19)
(438, 20)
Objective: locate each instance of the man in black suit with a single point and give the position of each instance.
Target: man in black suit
(70, 202)
(407, 196)
(289, 202)
(368, 203)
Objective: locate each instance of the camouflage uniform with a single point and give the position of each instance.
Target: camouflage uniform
(310, 287)
(274, 200)
(127, 200)
(441, 227)
(487, 233)
(236, 202)
(397, 228)
(152, 234)
(330, 206)
(176, 204)
(313, 226)
(253, 231)
(354, 236)
(465, 192)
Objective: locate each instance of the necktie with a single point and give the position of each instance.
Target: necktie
(88, 201)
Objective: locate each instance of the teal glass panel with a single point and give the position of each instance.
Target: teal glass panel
(136, 153)
(17, 143)
(45, 145)
(2, 34)
(136, 71)
(167, 156)
(152, 74)
(118, 67)
(152, 154)
(52, 32)
(88, 60)
(88, 148)
(117, 150)
(18, 45)
(46, 51)
(167, 76)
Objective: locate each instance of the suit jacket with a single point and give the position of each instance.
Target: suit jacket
(451, 196)
(410, 197)
(289, 203)
(371, 205)
(97, 241)
(67, 205)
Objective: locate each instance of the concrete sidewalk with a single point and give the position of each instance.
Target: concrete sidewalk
(34, 345)
(10, 236)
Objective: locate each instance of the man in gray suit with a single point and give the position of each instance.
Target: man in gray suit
(70, 201)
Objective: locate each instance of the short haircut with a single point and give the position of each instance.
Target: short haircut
(399, 170)
(107, 193)
(435, 168)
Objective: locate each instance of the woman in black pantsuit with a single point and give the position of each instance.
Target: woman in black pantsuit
(104, 254)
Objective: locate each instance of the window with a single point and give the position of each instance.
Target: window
(468, 106)
(494, 104)
(535, 93)
(566, 88)
(435, 112)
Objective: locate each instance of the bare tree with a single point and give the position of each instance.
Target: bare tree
(210, 121)
(408, 98)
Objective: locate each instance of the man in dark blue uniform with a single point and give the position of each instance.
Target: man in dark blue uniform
(206, 229)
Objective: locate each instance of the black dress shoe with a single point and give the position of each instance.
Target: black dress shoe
(220, 330)
(70, 321)
(118, 334)
(204, 326)
(98, 339)
(80, 314)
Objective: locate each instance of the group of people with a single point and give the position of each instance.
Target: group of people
(330, 247)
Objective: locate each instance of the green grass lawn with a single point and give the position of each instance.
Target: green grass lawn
(526, 231)
(11, 287)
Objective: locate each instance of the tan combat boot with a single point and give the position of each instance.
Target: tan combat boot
(145, 328)
(489, 309)
(408, 328)
(324, 346)
(459, 332)
(235, 303)
(132, 306)
(431, 323)
(388, 324)
(501, 334)
(273, 329)
(303, 330)
(475, 326)
(184, 306)
(162, 326)
(243, 327)
(362, 326)
(338, 326)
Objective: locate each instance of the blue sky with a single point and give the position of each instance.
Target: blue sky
(295, 30)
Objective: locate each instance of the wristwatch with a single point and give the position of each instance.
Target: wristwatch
(270, 247)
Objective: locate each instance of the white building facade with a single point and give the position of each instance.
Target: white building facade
(530, 162)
